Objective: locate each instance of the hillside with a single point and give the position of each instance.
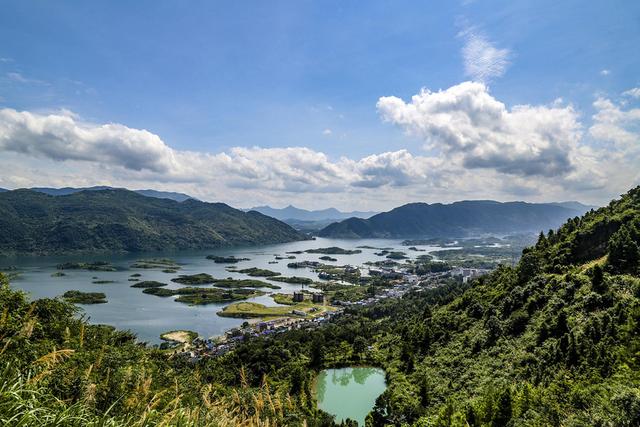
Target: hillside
(553, 341)
(121, 220)
(65, 191)
(455, 220)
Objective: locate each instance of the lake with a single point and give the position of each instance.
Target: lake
(349, 392)
(148, 315)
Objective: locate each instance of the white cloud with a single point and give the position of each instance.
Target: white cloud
(482, 60)
(632, 93)
(613, 124)
(327, 132)
(605, 72)
(477, 148)
(465, 122)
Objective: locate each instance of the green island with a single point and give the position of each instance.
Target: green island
(148, 284)
(78, 297)
(295, 280)
(102, 282)
(90, 266)
(135, 275)
(258, 272)
(157, 263)
(397, 255)
(333, 250)
(194, 279)
(328, 258)
(200, 296)
(248, 310)
(243, 283)
(226, 259)
(58, 274)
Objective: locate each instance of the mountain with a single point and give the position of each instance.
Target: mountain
(455, 219)
(293, 213)
(65, 191)
(122, 220)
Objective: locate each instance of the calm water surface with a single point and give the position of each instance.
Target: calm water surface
(349, 392)
(148, 315)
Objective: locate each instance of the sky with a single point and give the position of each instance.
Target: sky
(332, 103)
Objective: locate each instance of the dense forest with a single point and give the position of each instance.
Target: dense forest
(459, 219)
(120, 220)
(554, 341)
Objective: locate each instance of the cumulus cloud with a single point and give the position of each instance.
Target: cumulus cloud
(605, 72)
(467, 122)
(632, 93)
(482, 60)
(327, 132)
(613, 124)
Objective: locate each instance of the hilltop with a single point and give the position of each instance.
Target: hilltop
(121, 220)
(457, 219)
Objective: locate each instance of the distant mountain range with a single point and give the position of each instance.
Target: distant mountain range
(65, 191)
(116, 220)
(459, 219)
(306, 220)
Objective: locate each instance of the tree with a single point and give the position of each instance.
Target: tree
(624, 253)
(504, 410)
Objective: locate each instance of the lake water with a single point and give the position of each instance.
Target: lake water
(349, 392)
(149, 315)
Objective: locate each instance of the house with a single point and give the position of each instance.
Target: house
(298, 297)
(318, 298)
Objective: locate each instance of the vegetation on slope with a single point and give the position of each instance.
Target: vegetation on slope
(552, 341)
(120, 220)
(456, 219)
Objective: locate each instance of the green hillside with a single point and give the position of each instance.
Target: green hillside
(457, 219)
(120, 220)
(554, 341)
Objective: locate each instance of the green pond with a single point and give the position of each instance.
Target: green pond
(349, 392)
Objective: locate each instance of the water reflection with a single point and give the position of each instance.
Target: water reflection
(349, 392)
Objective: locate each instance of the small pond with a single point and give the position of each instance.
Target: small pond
(349, 392)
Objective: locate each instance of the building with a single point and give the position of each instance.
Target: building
(318, 298)
(298, 297)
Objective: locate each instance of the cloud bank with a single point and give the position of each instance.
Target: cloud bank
(474, 147)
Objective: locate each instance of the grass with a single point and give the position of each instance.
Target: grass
(247, 310)
(243, 283)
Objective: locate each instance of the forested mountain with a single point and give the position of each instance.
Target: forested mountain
(65, 191)
(553, 341)
(121, 220)
(456, 219)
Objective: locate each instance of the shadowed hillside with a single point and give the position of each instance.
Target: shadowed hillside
(122, 220)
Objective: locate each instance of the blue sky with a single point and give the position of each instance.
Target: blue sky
(213, 77)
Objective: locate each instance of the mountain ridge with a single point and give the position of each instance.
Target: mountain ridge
(117, 220)
(458, 219)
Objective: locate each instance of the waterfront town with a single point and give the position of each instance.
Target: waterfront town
(321, 310)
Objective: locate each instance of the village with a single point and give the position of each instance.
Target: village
(322, 310)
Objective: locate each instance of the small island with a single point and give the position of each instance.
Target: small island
(199, 296)
(159, 263)
(259, 272)
(295, 280)
(194, 279)
(79, 297)
(90, 266)
(333, 250)
(328, 258)
(148, 284)
(226, 259)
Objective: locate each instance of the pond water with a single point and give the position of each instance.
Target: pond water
(148, 315)
(349, 392)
